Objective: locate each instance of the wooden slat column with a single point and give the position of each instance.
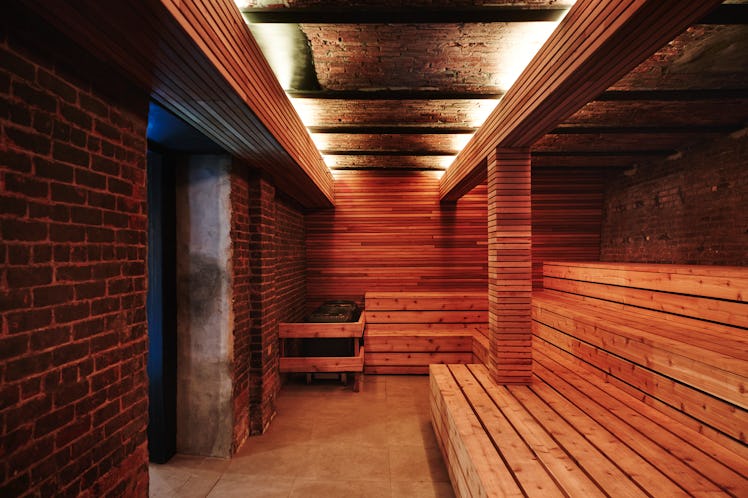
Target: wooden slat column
(509, 265)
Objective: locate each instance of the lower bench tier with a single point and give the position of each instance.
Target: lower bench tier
(567, 434)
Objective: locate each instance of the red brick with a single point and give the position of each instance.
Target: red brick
(68, 154)
(68, 194)
(23, 230)
(48, 338)
(72, 312)
(29, 319)
(13, 346)
(19, 254)
(34, 97)
(56, 294)
(53, 420)
(25, 185)
(73, 431)
(15, 161)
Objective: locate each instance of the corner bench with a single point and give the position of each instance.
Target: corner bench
(407, 331)
(639, 376)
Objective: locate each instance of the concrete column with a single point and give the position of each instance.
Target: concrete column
(509, 266)
(204, 307)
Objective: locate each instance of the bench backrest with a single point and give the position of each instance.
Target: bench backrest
(712, 293)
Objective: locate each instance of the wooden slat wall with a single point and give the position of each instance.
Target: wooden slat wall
(566, 217)
(389, 232)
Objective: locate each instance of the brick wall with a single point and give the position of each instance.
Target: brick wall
(73, 344)
(263, 374)
(690, 210)
(277, 290)
(240, 236)
(290, 281)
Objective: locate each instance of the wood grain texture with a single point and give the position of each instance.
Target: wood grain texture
(672, 334)
(389, 233)
(509, 265)
(569, 434)
(593, 47)
(406, 331)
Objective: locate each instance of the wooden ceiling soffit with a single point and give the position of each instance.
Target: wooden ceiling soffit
(593, 47)
(198, 59)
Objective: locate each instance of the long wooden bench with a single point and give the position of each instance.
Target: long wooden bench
(639, 389)
(407, 331)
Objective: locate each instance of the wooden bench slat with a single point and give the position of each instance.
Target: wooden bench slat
(727, 340)
(719, 415)
(690, 459)
(422, 302)
(429, 344)
(556, 460)
(728, 312)
(413, 359)
(717, 282)
(426, 316)
(524, 464)
(645, 463)
(722, 376)
(485, 475)
(596, 464)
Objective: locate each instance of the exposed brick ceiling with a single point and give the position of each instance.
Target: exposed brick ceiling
(408, 94)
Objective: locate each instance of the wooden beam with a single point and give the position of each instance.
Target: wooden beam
(691, 95)
(566, 129)
(392, 130)
(198, 60)
(593, 47)
(401, 15)
(393, 95)
(398, 153)
(727, 14)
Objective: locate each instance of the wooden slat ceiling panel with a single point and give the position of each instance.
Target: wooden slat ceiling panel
(198, 60)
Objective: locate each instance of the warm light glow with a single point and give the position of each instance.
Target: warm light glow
(321, 140)
(278, 48)
(331, 161)
(306, 111)
(446, 161)
(526, 40)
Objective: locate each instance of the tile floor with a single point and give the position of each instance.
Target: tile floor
(326, 441)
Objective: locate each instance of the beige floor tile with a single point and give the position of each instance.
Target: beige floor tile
(340, 489)
(270, 460)
(409, 489)
(326, 441)
(347, 462)
(246, 486)
(416, 463)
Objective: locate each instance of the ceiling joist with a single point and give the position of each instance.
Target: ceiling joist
(724, 14)
(401, 15)
(392, 94)
(393, 130)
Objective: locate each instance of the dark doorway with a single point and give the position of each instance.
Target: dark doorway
(161, 305)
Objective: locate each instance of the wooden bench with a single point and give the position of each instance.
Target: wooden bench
(407, 331)
(638, 390)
